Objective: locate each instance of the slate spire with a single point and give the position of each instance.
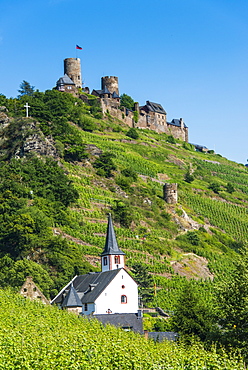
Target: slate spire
(111, 245)
(72, 299)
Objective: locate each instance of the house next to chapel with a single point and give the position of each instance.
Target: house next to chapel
(111, 295)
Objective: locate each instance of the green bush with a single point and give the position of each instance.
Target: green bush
(105, 165)
(132, 133)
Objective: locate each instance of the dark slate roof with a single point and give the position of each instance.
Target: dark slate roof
(106, 90)
(114, 95)
(111, 246)
(123, 320)
(198, 146)
(155, 107)
(176, 122)
(89, 286)
(65, 80)
(159, 336)
(99, 92)
(72, 299)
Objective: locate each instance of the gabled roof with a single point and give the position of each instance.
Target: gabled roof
(65, 80)
(176, 122)
(72, 299)
(111, 246)
(88, 287)
(155, 107)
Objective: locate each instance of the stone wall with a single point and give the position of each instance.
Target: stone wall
(113, 107)
(30, 290)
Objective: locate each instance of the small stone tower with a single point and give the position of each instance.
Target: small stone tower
(72, 68)
(170, 193)
(112, 257)
(111, 83)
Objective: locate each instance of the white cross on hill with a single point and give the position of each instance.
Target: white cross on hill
(26, 106)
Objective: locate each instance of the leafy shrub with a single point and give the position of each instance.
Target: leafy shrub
(132, 133)
(188, 177)
(189, 146)
(215, 187)
(123, 182)
(123, 213)
(105, 165)
(171, 139)
(129, 172)
(230, 188)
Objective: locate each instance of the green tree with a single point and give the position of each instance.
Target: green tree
(144, 280)
(123, 213)
(127, 101)
(192, 314)
(188, 177)
(105, 165)
(232, 305)
(26, 89)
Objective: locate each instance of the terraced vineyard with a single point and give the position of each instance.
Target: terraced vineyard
(42, 337)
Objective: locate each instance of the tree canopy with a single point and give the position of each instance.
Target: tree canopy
(127, 101)
(26, 89)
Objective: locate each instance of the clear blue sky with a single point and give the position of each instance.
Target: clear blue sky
(191, 56)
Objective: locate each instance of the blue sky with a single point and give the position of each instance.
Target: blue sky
(191, 56)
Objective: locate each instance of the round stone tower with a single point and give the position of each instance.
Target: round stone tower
(111, 82)
(72, 68)
(170, 193)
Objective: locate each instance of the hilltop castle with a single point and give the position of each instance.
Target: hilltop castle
(150, 116)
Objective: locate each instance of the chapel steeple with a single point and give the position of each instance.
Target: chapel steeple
(112, 256)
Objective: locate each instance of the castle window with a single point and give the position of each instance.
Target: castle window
(105, 261)
(86, 307)
(25, 289)
(123, 299)
(117, 259)
(34, 289)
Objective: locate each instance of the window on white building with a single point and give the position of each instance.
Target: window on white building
(123, 299)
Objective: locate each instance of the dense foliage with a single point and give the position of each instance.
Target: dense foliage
(35, 336)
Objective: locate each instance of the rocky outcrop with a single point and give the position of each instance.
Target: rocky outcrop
(38, 144)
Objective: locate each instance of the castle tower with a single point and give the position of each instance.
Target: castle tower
(112, 257)
(111, 83)
(72, 68)
(170, 193)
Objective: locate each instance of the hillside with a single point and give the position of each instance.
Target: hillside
(35, 336)
(64, 169)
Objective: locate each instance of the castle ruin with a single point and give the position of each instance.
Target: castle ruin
(170, 193)
(149, 116)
